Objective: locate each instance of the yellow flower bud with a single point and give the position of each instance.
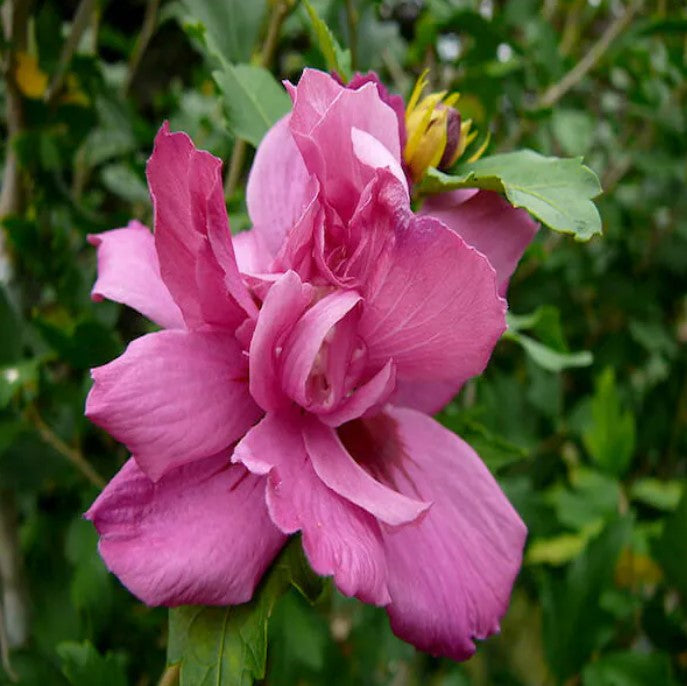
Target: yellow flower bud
(436, 135)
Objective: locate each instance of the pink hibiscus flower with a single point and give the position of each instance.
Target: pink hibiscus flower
(288, 389)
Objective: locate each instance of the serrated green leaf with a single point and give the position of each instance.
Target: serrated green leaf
(336, 58)
(610, 440)
(227, 646)
(83, 665)
(253, 99)
(556, 191)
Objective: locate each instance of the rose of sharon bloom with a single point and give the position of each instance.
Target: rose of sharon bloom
(288, 388)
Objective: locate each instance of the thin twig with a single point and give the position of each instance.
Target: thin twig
(269, 48)
(554, 93)
(74, 455)
(14, 601)
(147, 31)
(170, 677)
(79, 25)
(5, 650)
(352, 19)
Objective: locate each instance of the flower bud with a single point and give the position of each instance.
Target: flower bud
(437, 136)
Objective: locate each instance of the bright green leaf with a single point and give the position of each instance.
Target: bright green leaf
(336, 58)
(556, 191)
(663, 495)
(253, 99)
(610, 440)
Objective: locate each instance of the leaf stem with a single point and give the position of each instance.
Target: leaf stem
(79, 24)
(147, 31)
(170, 677)
(238, 154)
(352, 18)
(74, 455)
(555, 92)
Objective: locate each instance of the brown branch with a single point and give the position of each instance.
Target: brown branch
(147, 31)
(74, 455)
(555, 92)
(79, 25)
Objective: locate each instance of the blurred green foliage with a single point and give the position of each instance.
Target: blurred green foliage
(592, 454)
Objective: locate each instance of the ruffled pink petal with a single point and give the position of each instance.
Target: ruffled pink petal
(365, 398)
(201, 535)
(339, 538)
(436, 311)
(277, 190)
(304, 344)
(372, 153)
(394, 101)
(129, 273)
(338, 470)
(192, 233)
(323, 118)
(451, 572)
(174, 397)
(286, 301)
(487, 222)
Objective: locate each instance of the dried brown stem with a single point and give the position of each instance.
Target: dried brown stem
(555, 92)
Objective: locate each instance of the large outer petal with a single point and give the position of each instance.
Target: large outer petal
(339, 538)
(486, 221)
(201, 535)
(451, 572)
(277, 190)
(192, 233)
(129, 273)
(173, 397)
(435, 310)
(322, 122)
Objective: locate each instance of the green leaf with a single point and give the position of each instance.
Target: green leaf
(670, 549)
(231, 26)
(227, 646)
(629, 668)
(663, 495)
(556, 191)
(573, 620)
(253, 99)
(84, 666)
(336, 58)
(610, 440)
